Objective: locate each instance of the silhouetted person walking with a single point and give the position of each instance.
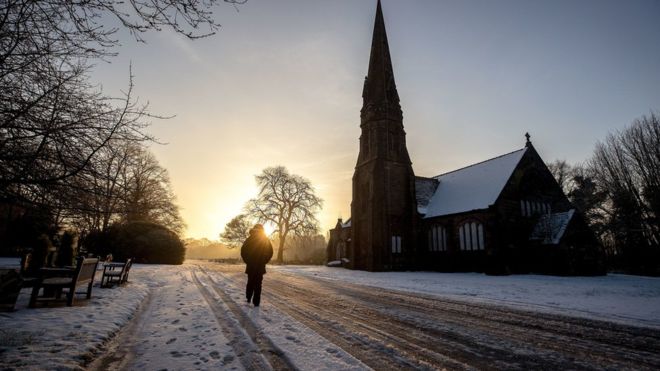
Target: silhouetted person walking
(256, 252)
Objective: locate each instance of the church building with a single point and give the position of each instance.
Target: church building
(503, 215)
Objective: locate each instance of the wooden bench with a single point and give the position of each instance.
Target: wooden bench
(116, 273)
(10, 287)
(54, 280)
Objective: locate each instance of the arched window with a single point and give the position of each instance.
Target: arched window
(531, 208)
(461, 237)
(437, 238)
(396, 244)
(471, 236)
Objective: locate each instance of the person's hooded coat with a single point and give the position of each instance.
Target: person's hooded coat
(256, 252)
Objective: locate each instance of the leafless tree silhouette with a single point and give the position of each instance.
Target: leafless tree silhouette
(58, 130)
(287, 201)
(626, 167)
(236, 231)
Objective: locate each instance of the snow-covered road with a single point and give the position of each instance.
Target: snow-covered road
(388, 329)
(314, 318)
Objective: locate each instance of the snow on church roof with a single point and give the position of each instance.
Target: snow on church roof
(424, 190)
(473, 187)
(551, 227)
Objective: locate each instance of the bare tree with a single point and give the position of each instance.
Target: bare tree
(92, 200)
(588, 198)
(236, 231)
(124, 184)
(57, 127)
(147, 193)
(627, 168)
(577, 182)
(53, 121)
(287, 201)
(562, 172)
(307, 248)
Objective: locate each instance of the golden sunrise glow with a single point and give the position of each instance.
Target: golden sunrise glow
(262, 93)
(269, 229)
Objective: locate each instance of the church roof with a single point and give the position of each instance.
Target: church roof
(347, 224)
(424, 190)
(551, 227)
(474, 187)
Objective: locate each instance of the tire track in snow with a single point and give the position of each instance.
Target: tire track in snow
(379, 326)
(379, 344)
(254, 349)
(359, 336)
(488, 336)
(306, 348)
(593, 344)
(120, 350)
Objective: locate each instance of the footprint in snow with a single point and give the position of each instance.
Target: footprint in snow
(176, 354)
(291, 338)
(170, 341)
(290, 328)
(215, 354)
(175, 321)
(228, 359)
(183, 329)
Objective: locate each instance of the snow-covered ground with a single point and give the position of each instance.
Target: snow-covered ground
(625, 299)
(64, 337)
(182, 326)
(306, 349)
(191, 317)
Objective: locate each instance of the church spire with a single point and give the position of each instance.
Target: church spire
(384, 206)
(380, 94)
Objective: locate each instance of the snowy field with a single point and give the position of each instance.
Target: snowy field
(189, 317)
(632, 300)
(64, 337)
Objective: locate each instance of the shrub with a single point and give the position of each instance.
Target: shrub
(147, 242)
(40, 252)
(66, 251)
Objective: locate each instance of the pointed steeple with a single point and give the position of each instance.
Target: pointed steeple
(380, 94)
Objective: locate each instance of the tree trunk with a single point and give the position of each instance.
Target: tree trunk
(280, 251)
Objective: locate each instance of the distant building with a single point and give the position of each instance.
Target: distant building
(503, 215)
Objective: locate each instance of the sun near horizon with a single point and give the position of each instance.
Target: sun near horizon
(281, 84)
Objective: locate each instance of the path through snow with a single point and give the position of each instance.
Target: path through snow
(315, 318)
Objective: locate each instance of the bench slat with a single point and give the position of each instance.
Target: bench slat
(66, 279)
